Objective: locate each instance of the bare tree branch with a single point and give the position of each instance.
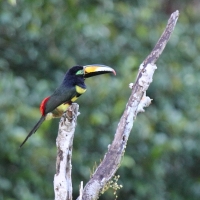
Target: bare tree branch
(112, 159)
(64, 142)
(136, 103)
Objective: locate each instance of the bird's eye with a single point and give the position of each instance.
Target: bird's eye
(80, 72)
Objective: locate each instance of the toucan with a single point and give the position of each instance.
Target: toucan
(72, 86)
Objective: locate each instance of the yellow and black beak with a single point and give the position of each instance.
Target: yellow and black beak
(96, 69)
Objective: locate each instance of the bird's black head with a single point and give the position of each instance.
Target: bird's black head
(74, 76)
(77, 74)
(76, 70)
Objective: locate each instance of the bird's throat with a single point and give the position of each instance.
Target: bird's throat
(80, 90)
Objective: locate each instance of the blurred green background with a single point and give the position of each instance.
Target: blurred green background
(40, 40)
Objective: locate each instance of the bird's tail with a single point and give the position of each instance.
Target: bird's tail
(34, 129)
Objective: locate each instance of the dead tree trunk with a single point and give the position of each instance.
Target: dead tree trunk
(136, 103)
(64, 143)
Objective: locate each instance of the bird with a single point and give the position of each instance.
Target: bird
(72, 87)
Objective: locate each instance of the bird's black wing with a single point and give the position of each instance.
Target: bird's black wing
(61, 95)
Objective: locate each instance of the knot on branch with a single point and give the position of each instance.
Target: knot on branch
(146, 75)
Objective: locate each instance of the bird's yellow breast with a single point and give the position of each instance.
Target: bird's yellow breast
(80, 90)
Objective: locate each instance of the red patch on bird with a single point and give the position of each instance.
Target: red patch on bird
(42, 105)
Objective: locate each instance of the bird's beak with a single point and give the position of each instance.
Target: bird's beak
(96, 69)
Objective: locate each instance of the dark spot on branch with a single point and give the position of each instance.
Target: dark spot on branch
(124, 138)
(101, 176)
(59, 158)
(69, 115)
(60, 154)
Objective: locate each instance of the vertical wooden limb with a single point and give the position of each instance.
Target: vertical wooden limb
(136, 103)
(64, 143)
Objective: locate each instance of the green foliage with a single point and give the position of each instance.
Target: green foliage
(40, 40)
(113, 184)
